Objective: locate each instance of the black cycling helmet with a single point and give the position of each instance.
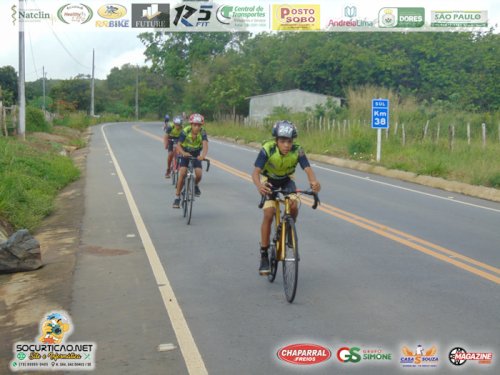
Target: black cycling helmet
(178, 120)
(284, 129)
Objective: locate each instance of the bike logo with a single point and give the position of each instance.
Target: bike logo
(75, 13)
(184, 14)
(304, 354)
(112, 11)
(346, 354)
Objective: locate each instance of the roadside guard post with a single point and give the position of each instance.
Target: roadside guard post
(380, 120)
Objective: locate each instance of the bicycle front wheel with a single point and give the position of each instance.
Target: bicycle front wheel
(190, 195)
(273, 263)
(291, 261)
(184, 198)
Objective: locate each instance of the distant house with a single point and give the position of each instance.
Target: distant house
(296, 100)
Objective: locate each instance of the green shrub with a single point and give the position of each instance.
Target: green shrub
(35, 120)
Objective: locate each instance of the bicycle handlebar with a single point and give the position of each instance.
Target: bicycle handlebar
(195, 158)
(288, 192)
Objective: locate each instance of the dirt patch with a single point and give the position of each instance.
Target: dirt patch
(25, 297)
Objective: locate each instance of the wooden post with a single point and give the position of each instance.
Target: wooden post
(437, 132)
(396, 128)
(451, 136)
(345, 125)
(320, 122)
(329, 124)
(468, 133)
(3, 120)
(425, 130)
(404, 133)
(483, 128)
(387, 133)
(499, 132)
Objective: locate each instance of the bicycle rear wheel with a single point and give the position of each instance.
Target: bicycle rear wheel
(291, 261)
(273, 263)
(190, 195)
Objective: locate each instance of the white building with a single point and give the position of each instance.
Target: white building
(296, 100)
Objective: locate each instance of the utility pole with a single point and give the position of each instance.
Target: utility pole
(43, 88)
(92, 87)
(137, 94)
(20, 82)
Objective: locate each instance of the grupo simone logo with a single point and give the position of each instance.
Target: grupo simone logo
(75, 13)
(304, 354)
(112, 11)
(51, 351)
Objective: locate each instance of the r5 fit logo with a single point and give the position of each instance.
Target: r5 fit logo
(184, 12)
(349, 355)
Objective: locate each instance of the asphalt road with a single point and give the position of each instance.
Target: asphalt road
(384, 264)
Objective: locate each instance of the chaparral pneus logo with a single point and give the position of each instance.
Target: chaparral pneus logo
(75, 13)
(304, 354)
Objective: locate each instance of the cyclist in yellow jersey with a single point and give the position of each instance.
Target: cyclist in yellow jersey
(172, 134)
(274, 167)
(193, 141)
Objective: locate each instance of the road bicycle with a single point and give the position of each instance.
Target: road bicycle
(187, 193)
(174, 165)
(284, 246)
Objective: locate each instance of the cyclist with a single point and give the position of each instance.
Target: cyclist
(275, 167)
(193, 141)
(166, 122)
(172, 134)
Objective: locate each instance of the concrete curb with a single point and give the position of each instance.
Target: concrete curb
(434, 182)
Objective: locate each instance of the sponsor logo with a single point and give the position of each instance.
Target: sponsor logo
(304, 354)
(296, 17)
(190, 16)
(242, 16)
(75, 13)
(459, 356)
(420, 358)
(350, 12)
(401, 17)
(459, 18)
(51, 351)
(151, 15)
(346, 354)
(375, 355)
(28, 15)
(112, 11)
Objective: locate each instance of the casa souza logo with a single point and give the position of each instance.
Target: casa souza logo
(421, 358)
(459, 356)
(75, 13)
(304, 354)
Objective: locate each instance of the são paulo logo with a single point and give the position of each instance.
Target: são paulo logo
(304, 354)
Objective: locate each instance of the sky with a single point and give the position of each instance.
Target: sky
(66, 50)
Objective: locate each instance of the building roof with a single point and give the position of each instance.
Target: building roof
(282, 92)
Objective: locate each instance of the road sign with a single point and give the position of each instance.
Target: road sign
(380, 113)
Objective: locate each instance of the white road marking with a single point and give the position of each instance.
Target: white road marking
(369, 179)
(166, 347)
(130, 235)
(189, 350)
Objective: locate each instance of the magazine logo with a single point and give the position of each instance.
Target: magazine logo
(459, 356)
(75, 13)
(50, 349)
(346, 354)
(304, 354)
(420, 358)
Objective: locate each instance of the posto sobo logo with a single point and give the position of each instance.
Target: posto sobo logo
(346, 354)
(296, 17)
(304, 354)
